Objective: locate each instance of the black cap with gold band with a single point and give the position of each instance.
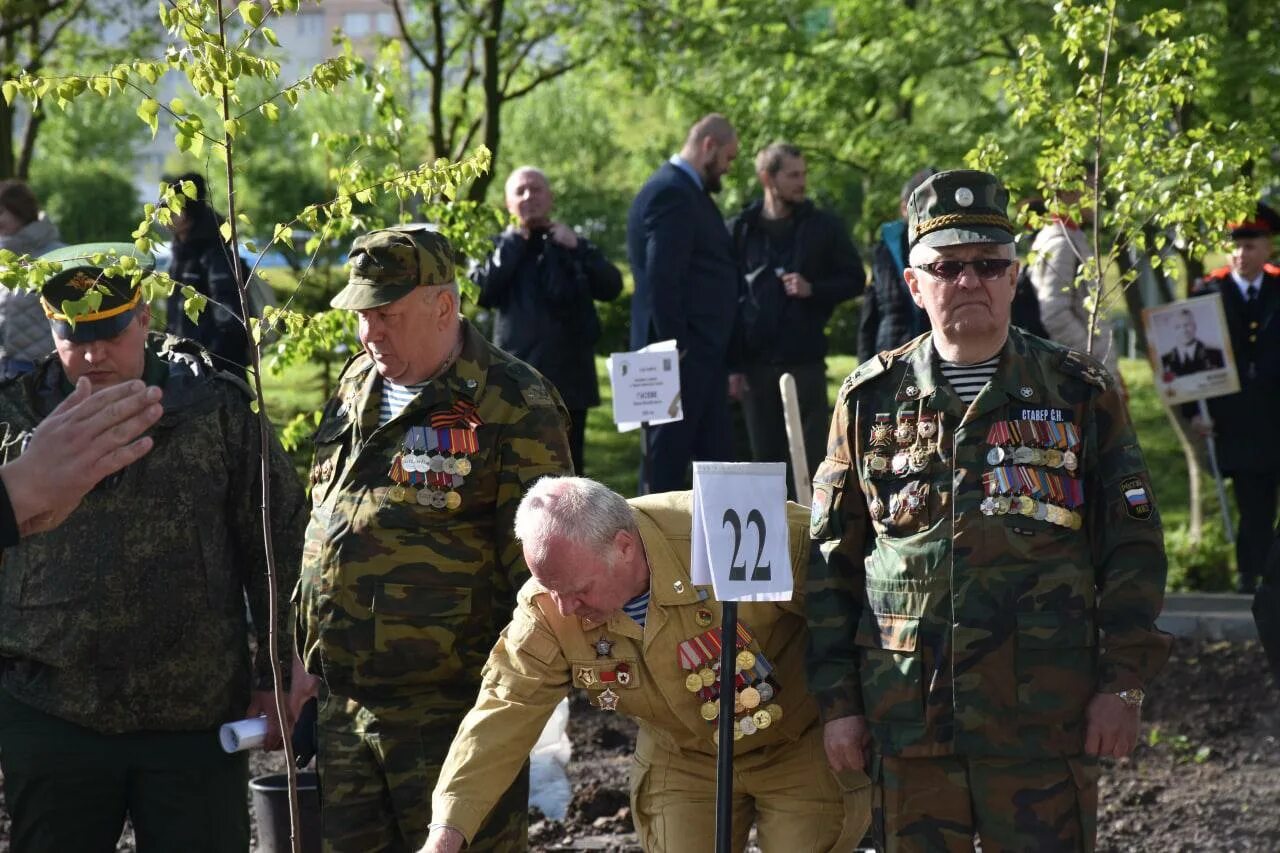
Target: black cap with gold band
(81, 272)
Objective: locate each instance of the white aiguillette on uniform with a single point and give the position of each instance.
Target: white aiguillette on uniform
(740, 538)
(646, 386)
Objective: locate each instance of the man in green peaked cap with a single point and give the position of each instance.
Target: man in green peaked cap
(411, 564)
(982, 621)
(124, 630)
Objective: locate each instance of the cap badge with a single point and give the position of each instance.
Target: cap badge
(964, 196)
(1026, 391)
(82, 281)
(364, 263)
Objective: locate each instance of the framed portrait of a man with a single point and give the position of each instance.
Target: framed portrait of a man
(1190, 351)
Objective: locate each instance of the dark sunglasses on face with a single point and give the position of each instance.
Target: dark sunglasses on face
(986, 268)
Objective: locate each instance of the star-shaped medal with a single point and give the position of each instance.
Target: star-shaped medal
(608, 700)
(604, 647)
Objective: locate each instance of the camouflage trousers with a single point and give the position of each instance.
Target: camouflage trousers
(376, 780)
(950, 802)
(786, 790)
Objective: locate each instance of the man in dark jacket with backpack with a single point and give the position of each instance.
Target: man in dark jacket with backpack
(204, 261)
(799, 264)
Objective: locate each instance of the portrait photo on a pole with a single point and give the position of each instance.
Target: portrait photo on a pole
(1190, 351)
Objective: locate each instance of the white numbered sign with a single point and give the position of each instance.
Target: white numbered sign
(740, 542)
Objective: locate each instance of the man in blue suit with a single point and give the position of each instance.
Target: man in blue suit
(686, 288)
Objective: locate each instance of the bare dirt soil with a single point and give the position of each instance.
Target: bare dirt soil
(1206, 775)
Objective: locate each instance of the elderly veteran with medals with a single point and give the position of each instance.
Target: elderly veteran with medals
(411, 567)
(124, 632)
(611, 609)
(983, 619)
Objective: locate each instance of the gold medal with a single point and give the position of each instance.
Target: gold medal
(410, 495)
(703, 617)
(738, 707)
(709, 711)
(396, 493)
(1076, 521)
(774, 712)
(707, 675)
(1026, 506)
(1053, 458)
(463, 467)
(762, 719)
(737, 733)
(693, 682)
(750, 698)
(746, 660)
(452, 500)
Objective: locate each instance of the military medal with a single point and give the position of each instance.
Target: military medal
(709, 710)
(464, 467)
(452, 500)
(693, 682)
(750, 698)
(623, 673)
(881, 430)
(745, 660)
(905, 432)
(917, 459)
(927, 427)
(876, 463)
(995, 455)
(708, 676)
(876, 508)
(604, 647)
(988, 505)
(765, 689)
(1069, 460)
(608, 700)
(761, 719)
(586, 676)
(450, 466)
(901, 463)
(703, 617)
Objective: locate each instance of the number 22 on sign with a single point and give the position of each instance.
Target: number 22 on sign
(740, 539)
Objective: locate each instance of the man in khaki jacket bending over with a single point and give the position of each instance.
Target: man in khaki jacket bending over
(611, 609)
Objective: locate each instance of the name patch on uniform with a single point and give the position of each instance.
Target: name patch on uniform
(1058, 415)
(1137, 499)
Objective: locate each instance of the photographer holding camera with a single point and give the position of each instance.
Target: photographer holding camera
(541, 281)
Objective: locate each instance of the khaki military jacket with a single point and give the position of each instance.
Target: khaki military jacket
(541, 654)
(399, 600)
(130, 616)
(980, 583)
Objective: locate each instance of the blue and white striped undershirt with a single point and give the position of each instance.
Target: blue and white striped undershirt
(637, 607)
(396, 397)
(969, 379)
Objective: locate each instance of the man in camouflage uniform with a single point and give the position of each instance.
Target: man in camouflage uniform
(984, 616)
(612, 610)
(124, 631)
(410, 565)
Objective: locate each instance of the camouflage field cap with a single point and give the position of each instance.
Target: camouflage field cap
(388, 264)
(120, 297)
(960, 206)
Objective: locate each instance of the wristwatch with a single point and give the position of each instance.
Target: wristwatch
(1132, 697)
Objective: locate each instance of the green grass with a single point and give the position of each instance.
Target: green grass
(614, 458)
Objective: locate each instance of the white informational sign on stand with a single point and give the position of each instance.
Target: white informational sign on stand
(740, 538)
(646, 386)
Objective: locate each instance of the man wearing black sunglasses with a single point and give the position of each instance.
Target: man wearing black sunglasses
(991, 547)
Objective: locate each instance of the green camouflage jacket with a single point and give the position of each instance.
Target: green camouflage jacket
(130, 616)
(986, 571)
(399, 602)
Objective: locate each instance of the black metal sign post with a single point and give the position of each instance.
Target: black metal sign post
(724, 749)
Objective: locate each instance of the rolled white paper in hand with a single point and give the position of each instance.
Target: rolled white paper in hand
(243, 734)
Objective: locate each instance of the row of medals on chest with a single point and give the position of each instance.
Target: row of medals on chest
(913, 439)
(754, 689)
(431, 465)
(1019, 488)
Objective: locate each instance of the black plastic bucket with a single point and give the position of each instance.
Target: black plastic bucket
(271, 811)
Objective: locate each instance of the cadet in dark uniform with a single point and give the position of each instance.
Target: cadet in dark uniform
(1242, 424)
(983, 619)
(124, 631)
